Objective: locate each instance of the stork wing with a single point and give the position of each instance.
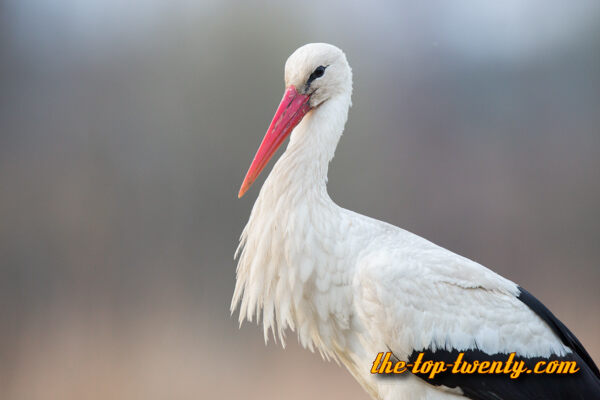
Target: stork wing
(423, 298)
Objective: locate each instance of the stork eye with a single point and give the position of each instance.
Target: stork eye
(317, 73)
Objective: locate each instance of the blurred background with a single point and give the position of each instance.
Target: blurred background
(126, 128)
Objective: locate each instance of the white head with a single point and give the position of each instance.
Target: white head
(319, 70)
(314, 73)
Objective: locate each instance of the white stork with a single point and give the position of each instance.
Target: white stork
(352, 286)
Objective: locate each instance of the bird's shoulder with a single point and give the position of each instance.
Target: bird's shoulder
(393, 254)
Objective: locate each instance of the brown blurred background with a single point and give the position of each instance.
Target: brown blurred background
(126, 128)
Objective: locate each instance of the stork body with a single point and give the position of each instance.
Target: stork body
(352, 287)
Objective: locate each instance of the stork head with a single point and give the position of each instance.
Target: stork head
(314, 73)
(318, 70)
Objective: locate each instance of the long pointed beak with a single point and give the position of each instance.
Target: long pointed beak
(290, 112)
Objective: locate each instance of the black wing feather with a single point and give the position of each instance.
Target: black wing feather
(565, 335)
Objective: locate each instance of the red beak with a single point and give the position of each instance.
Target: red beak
(290, 112)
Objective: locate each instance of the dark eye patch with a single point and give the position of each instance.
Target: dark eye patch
(317, 73)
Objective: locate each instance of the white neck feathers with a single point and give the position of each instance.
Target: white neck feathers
(283, 244)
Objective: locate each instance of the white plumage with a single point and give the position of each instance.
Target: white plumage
(352, 286)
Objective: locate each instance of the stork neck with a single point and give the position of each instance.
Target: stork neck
(283, 243)
(304, 165)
